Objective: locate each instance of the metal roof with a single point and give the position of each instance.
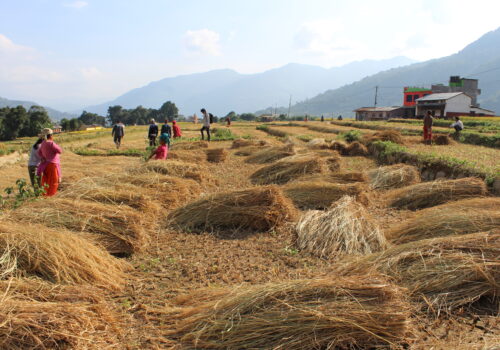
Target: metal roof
(440, 96)
(377, 109)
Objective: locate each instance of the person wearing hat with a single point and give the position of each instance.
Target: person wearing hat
(152, 133)
(50, 165)
(160, 153)
(34, 162)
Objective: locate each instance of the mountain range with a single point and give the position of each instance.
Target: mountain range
(478, 60)
(222, 91)
(55, 115)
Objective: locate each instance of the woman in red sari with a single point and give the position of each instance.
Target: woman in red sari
(50, 166)
(176, 130)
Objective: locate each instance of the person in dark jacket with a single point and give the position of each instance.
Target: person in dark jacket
(166, 129)
(118, 133)
(428, 122)
(152, 133)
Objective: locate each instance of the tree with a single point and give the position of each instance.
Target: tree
(231, 115)
(282, 117)
(115, 114)
(168, 110)
(13, 122)
(139, 115)
(248, 116)
(92, 118)
(37, 119)
(75, 124)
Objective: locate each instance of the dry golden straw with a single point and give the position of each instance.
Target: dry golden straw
(394, 176)
(174, 168)
(339, 146)
(441, 273)
(190, 145)
(246, 143)
(338, 313)
(255, 209)
(384, 135)
(320, 194)
(356, 149)
(456, 218)
(120, 230)
(317, 144)
(443, 140)
(58, 256)
(345, 228)
(216, 155)
(272, 154)
(428, 194)
(190, 156)
(337, 177)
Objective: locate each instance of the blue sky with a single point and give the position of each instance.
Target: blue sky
(69, 53)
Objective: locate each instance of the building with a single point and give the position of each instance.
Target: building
(412, 94)
(445, 105)
(57, 129)
(458, 84)
(481, 112)
(378, 113)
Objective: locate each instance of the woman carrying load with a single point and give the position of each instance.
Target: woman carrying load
(50, 166)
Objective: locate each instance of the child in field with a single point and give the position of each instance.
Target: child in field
(161, 152)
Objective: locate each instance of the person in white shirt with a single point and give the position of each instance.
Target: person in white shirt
(459, 126)
(206, 124)
(34, 162)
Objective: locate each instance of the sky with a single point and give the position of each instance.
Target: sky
(72, 53)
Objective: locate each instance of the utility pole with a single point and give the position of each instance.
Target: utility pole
(289, 107)
(376, 93)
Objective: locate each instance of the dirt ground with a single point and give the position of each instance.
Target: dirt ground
(176, 262)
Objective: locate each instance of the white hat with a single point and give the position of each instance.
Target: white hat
(46, 132)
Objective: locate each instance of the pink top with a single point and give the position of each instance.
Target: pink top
(49, 152)
(161, 152)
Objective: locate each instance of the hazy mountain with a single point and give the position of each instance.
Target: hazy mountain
(55, 115)
(479, 60)
(222, 91)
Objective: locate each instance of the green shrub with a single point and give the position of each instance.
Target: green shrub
(352, 135)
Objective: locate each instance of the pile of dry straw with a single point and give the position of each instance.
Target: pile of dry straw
(216, 155)
(321, 194)
(255, 209)
(337, 313)
(239, 143)
(346, 228)
(271, 154)
(428, 194)
(394, 176)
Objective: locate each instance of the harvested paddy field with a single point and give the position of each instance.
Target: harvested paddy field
(255, 241)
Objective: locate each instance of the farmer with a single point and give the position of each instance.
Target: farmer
(459, 126)
(228, 121)
(152, 133)
(166, 129)
(428, 121)
(50, 165)
(322, 118)
(160, 153)
(118, 133)
(34, 162)
(206, 124)
(176, 129)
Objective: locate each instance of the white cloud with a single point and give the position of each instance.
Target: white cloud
(91, 73)
(8, 47)
(76, 4)
(202, 41)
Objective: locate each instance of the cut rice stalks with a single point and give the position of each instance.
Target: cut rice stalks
(346, 228)
(216, 155)
(321, 195)
(174, 168)
(239, 143)
(271, 154)
(394, 176)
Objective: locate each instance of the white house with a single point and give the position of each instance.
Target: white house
(450, 104)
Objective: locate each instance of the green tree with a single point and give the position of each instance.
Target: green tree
(36, 121)
(115, 114)
(168, 110)
(248, 116)
(92, 118)
(75, 124)
(64, 124)
(13, 122)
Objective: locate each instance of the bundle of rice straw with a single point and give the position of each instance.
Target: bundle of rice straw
(248, 151)
(394, 176)
(339, 146)
(272, 154)
(186, 156)
(443, 140)
(292, 168)
(317, 144)
(429, 194)
(320, 194)
(254, 209)
(120, 230)
(75, 323)
(345, 228)
(441, 273)
(356, 149)
(173, 168)
(456, 218)
(216, 155)
(339, 177)
(57, 256)
(190, 145)
(339, 313)
(238, 143)
(384, 135)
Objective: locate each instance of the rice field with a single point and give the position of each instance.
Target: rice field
(263, 242)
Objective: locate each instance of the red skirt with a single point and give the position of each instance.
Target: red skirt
(50, 179)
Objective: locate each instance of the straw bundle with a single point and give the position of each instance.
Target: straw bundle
(384, 135)
(339, 146)
(174, 168)
(441, 273)
(317, 144)
(271, 154)
(443, 140)
(190, 145)
(120, 230)
(429, 194)
(356, 149)
(457, 218)
(239, 143)
(346, 228)
(394, 176)
(254, 209)
(186, 156)
(60, 257)
(216, 155)
(337, 177)
(248, 151)
(287, 170)
(77, 323)
(320, 195)
(356, 312)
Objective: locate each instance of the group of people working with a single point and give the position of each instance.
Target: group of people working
(458, 125)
